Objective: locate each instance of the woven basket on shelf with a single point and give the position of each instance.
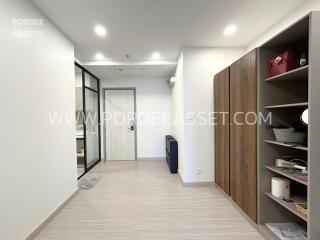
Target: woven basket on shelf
(302, 207)
(289, 135)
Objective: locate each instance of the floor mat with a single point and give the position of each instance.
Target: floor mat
(88, 182)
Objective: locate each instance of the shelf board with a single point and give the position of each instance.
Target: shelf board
(290, 145)
(296, 75)
(291, 105)
(290, 206)
(286, 173)
(80, 155)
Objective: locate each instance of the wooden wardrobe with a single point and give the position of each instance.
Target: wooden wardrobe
(236, 142)
(222, 105)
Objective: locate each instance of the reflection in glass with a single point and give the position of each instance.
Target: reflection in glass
(90, 82)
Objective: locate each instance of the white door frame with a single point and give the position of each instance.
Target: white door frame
(104, 122)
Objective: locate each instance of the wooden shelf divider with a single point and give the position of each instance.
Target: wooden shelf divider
(290, 145)
(286, 173)
(291, 105)
(295, 75)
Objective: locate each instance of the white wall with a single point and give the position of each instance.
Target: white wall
(152, 95)
(200, 66)
(177, 102)
(311, 5)
(193, 93)
(38, 162)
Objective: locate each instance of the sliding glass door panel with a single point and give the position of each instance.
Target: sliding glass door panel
(87, 120)
(79, 122)
(91, 82)
(92, 127)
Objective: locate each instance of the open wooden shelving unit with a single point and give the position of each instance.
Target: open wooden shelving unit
(286, 96)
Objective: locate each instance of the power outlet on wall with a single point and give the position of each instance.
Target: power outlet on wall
(199, 171)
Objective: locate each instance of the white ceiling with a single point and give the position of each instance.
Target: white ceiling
(140, 27)
(132, 70)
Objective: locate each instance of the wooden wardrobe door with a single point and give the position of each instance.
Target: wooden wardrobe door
(221, 106)
(243, 134)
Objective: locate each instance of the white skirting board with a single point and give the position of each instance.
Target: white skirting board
(152, 158)
(195, 184)
(47, 220)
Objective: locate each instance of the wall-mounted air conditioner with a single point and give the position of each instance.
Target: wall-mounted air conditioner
(172, 81)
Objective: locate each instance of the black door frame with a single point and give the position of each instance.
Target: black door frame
(84, 87)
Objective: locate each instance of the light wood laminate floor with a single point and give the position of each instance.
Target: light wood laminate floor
(142, 200)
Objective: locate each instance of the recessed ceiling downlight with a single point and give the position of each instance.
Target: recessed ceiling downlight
(99, 56)
(229, 30)
(100, 30)
(156, 55)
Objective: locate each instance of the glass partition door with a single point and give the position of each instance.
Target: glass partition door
(92, 120)
(88, 120)
(79, 122)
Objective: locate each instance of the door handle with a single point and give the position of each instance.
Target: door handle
(131, 128)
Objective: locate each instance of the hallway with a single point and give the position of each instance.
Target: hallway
(142, 200)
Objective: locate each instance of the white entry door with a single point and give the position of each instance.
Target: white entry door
(120, 124)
